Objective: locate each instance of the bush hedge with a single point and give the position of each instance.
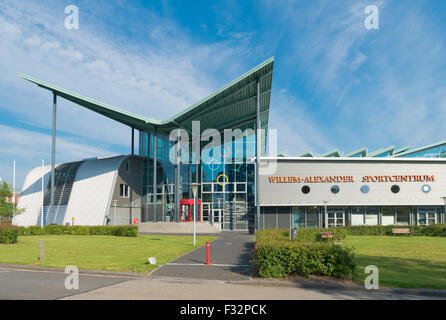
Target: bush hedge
(303, 235)
(276, 256)
(433, 230)
(8, 233)
(120, 231)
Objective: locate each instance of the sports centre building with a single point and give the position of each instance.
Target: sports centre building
(386, 187)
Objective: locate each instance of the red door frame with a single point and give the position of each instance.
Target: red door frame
(190, 202)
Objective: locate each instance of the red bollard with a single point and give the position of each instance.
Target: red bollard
(208, 259)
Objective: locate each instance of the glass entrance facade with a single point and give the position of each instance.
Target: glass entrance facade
(225, 173)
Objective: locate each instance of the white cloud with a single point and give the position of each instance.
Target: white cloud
(28, 148)
(155, 81)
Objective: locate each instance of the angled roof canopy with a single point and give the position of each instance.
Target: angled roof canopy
(231, 106)
(382, 152)
(360, 152)
(333, 153)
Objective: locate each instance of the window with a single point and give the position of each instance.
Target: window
(365, 189)
(395, 188)
(305, 189)
(123, 190)
(335, 189)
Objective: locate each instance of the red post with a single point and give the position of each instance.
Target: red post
(208, 260)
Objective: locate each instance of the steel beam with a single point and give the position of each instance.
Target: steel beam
(53, 154)
(155, 161)
(258, 145)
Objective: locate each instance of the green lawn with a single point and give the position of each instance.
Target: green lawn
(403, 261)
(99, 252)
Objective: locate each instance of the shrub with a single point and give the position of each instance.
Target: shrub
(305, 259)
(120, 231)
(313, 234)
(277, 256)
(303, 235)
(434, 230)
(8, 233)
(126, 231)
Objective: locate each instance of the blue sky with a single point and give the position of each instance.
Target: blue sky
(336, 84)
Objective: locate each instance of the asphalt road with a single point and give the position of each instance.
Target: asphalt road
(47, 285)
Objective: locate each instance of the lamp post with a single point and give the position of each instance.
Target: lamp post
(326, 216)
(219, 212)
(444, 211)
(194, 188)
(43, 194)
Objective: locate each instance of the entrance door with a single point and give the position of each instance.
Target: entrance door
(187, 210)
(218, 216)
(207, 211)
(336, 218)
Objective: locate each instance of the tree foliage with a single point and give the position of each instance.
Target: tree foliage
(7, 208)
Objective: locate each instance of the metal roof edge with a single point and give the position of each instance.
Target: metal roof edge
(421, 148)
(362, 151)
(374, 159)
(227, 86)
(151, 121)
(381, 151)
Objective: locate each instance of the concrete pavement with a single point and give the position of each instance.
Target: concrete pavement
(229, 256)
(170, 288)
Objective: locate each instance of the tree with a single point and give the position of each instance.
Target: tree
(7, 208)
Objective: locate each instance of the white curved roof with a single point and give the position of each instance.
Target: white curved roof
(89, 199)
(31, 197)
(92, 190)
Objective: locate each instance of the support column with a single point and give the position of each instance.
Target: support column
(155, 163)
(258, 151)
(133, 141)
(177, 180)
(325, 214)
(53, 154)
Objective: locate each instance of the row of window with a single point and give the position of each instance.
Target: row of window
(365, 189)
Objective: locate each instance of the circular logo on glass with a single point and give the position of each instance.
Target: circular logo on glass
(365, 189)
(426, 188)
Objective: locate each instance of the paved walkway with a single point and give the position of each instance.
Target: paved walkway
(230, 260)
(189, 289)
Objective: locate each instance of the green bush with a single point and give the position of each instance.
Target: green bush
(8, 233)
(120, 231)
(433, 230)
(313, 234)
(277, 256)
(305, 259)
(126, 231)
(303, 235)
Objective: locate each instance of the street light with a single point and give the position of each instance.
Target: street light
(444, 213)
(194, 188)
(219, 212)
(326, 216)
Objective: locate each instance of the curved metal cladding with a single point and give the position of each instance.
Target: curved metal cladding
(90, 196)
(31, 197)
